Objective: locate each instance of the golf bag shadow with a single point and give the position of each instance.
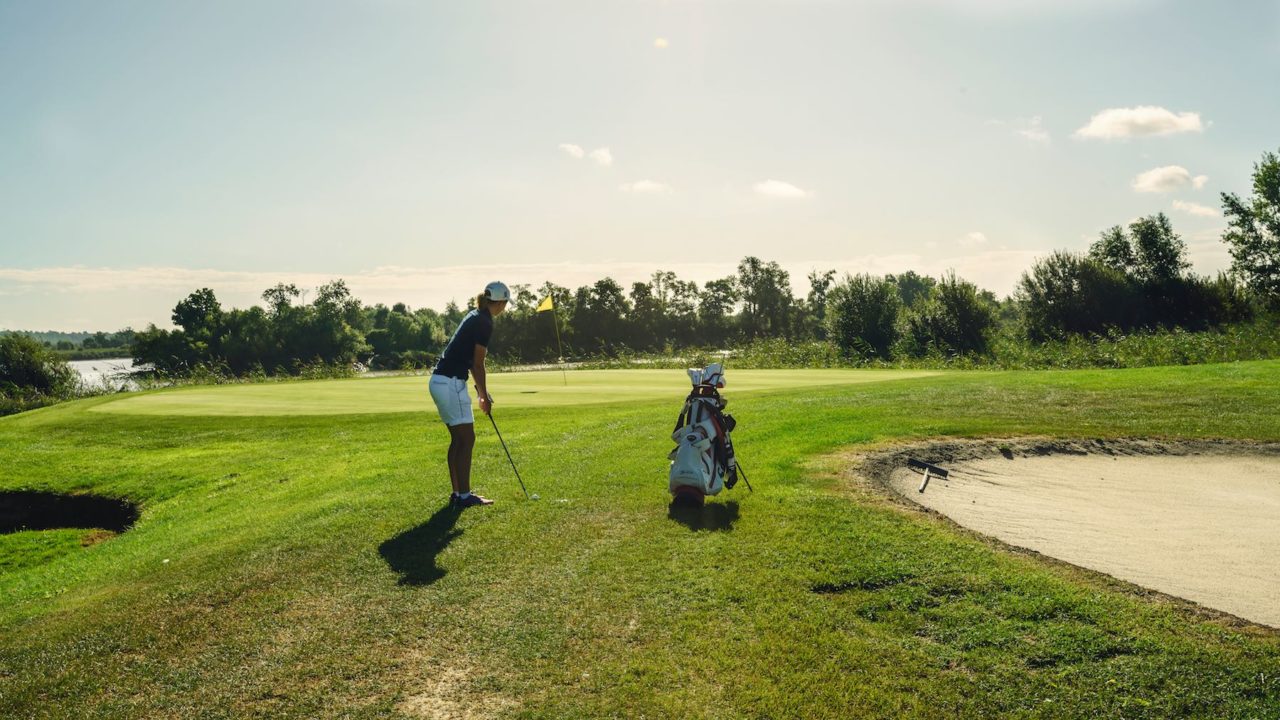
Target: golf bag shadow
(702, 462)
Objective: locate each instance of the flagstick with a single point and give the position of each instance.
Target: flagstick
(555, 321)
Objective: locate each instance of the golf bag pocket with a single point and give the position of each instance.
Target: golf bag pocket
(693, 462)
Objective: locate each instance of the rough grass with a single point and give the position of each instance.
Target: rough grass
(304, 566)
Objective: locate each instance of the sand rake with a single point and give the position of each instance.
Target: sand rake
(930, 470)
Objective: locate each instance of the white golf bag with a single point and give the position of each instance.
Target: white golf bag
(702, 462)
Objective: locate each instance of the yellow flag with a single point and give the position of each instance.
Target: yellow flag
(545, 305)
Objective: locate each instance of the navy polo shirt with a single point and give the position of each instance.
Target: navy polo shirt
(475, 329)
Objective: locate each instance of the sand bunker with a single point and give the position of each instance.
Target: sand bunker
(1200, 527)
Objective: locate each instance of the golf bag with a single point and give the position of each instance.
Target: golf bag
(702, 462)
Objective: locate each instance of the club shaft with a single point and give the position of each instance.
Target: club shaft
(508, 452)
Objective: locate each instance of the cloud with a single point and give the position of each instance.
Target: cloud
(572, 150)
(645, 187)
(1141, 121)
(973, 239)
(602, 156)
(1167, 179)
(1195, 209)
(777, 188)
(661, 43)
(1035, 132)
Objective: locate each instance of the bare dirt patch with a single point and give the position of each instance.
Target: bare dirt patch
(1196, 519)
(451, 693)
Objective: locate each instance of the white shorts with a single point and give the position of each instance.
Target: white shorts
(452, 400)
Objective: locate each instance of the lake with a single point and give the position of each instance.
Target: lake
(107, 372)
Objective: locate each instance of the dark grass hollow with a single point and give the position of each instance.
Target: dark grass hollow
(709, 516)
(31, 510)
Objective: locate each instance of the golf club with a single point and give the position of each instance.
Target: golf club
(508, 452)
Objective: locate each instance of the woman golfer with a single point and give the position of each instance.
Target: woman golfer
(465, 354)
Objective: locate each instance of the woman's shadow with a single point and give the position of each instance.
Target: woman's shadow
(712, 516)
(413, 553)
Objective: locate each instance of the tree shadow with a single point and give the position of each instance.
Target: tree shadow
(413, 553)
(712, 516)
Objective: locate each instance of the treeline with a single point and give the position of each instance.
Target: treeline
(281, 338)
(1133, 278)
(69, 342)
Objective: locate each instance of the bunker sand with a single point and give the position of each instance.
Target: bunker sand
(1197, 527)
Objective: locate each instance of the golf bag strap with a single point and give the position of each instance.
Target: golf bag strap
(686, 413)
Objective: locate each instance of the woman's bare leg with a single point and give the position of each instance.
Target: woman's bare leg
(462, 439)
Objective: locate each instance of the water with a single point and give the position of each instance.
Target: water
(108, 373)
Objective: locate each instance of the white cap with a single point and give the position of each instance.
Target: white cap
(496, 292)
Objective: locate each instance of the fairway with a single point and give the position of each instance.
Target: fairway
(510, 390)
(306, 564)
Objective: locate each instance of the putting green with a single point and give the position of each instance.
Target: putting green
(522, 389)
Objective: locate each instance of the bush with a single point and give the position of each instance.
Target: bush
(1194, 303)
(1069, 294)
(952, 320)
(1256, 340)
(27, 367)
(862, 316)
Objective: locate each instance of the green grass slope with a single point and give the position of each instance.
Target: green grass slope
(305, 565)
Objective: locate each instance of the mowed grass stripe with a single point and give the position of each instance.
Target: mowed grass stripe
(511, 390)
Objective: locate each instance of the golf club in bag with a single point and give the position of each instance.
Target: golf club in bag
(703, 462)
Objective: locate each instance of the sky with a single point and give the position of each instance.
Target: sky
(419, 150)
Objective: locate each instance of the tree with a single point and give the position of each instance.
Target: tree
(954, 318)
(911, 287)
(250, 342)
(280, 298)
(1112, 249)
(646, 318)
(681, 309)
(715, 307)
(522, 298)
(862, 315)
(1067, 293)
(816, 302)
(600, 311)
(165, 351)
(199, 314)
(765, 290)
(28, 368)
(1253, 231)
(1159, 254)
(453, 317)
(1150, 253)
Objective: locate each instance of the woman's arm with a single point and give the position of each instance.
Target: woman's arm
(477, 371)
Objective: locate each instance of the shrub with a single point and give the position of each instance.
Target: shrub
(953, 320)
(29, 368)
(862, 315)
(1066, 294)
